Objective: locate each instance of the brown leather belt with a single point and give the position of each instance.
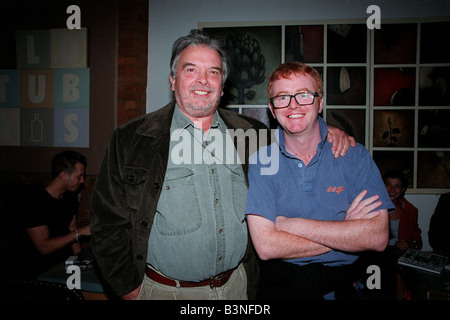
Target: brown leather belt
(213, 282)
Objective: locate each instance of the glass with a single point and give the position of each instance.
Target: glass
(302, 98)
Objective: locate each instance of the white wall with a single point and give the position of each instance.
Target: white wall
(426, 205)
(170, 19)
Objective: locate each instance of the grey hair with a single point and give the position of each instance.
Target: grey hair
(198, 38)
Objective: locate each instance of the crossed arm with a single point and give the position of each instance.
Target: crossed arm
(364, 228)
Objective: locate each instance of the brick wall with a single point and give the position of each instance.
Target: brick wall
(132, 84)
(132, 69)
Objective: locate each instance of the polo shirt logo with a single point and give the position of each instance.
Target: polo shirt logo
(338, 190)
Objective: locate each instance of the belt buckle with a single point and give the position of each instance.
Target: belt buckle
(212, 279)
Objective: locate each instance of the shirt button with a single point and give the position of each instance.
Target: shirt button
(300, 165)
(220, 230)
(216, 200)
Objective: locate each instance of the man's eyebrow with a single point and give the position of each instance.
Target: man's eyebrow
(217, 68)
(188, 64)
(286, 92)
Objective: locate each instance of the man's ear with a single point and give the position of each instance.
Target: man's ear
(271, 110)
(62, 175)
(172, 83)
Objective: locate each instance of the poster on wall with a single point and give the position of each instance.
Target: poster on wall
(254, 52)
(45, 101)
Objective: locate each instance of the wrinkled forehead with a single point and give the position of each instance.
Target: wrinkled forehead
(293, 81)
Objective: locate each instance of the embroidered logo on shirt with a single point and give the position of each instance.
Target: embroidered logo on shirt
(338, 190)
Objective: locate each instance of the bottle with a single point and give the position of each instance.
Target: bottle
(37, 132)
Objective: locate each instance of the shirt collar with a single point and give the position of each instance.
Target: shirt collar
(184, 122)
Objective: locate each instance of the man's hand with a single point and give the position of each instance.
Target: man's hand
(363, 209)
(340, 141)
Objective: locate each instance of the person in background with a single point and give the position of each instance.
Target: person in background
(50, 214)
(404, 228)
(310, 220)
(438, 232)
(404, 233)
(165, 230)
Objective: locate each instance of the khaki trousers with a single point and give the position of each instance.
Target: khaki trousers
(234, 289)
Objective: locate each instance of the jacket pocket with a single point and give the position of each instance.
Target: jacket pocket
(133, 179)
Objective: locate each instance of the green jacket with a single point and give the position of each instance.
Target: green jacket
(135, 163)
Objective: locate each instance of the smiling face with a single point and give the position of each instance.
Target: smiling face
(198, 82)
(295, 118)
(395, 188)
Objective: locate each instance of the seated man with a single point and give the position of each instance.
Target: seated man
(50, 214)
(309, 219)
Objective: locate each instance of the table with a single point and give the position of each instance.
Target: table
(92, 285)
(425, 285)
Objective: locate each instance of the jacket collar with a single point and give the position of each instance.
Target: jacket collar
(158, 123)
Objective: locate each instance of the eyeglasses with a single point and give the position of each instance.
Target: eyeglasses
(302, 98)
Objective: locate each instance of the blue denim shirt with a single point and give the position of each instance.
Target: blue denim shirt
(199, 228)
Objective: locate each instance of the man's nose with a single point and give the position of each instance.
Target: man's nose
(203, 77)
(293, 103)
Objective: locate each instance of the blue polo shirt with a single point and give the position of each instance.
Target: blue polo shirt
(322, 190)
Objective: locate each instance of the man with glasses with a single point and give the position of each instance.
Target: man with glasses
(311, 219)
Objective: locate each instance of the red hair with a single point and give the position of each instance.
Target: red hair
(286, 69)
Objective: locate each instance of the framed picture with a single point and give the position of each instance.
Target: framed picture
(433, 169)
(396, 160)
(393, 128)
(346, 86)
(304, 43)
(347, 43)
(394, 86)
(351, 121)
(395, 44)
(434, 128)
(433, 86)
(254, 53)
